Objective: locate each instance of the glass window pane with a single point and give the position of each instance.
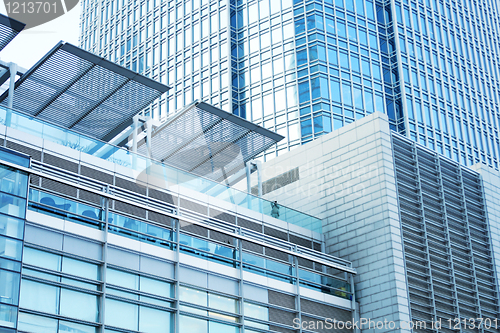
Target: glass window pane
(154, 321)
(9, 287)
(13, 206)
(10, 248)
(222, 303)
(8, 315)
(41, 259)
(32, 323)
(193, 296)
(122, 279)
(12, 227)
(156, 287)
(121, 314)
(40, 297)
(80, 268)
(192, 325)
(9, 156)
(256, 311)
(67, 327)
(78, 305)
(221, 328)
(13, 181)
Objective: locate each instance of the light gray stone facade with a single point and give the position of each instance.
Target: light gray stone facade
(347, 179)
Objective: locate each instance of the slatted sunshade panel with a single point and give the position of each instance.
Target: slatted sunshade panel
(77, 90)
(208, 141)
(9, 29)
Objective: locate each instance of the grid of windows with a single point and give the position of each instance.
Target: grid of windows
(13, 193)
(182, 44)
(449, 52)
(305, 68)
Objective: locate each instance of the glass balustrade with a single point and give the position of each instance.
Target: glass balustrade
(188, 244)
(156, 172)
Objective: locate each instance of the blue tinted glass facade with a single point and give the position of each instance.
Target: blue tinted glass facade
(13, 201)
(305, 68)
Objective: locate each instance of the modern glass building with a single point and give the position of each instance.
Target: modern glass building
(303, 68)
(422, 230)
(97, 238)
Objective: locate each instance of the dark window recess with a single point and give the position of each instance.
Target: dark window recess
(249, 224)
(300, 241)
(280, 299)
(305, 263)
(35, 180)
(252, 247)
(276, 233)
(160, 218)
(58, 187)
(60, 162)
(320, 326)
(318, 267)
(193, 228)
(222, 216)
(316, 246)
(278, 182)
(96, 174)
(193, 206)
(281, 316)
(129, 185)
(221, 237)
(276, 254)
(281, 329)
(130, 209)
(34, 153)
(162, 196)
(324, 310)
(89, 196)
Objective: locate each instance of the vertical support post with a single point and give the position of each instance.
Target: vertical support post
(135, 126)
(259, 177)
(248, 168)
(134, 133)
(149, 127)
(102, 310)
(10, 98)
(177, 233)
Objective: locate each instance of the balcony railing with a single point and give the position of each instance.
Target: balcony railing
(155, 171)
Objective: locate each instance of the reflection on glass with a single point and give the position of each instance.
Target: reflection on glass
(10, 248)
(12, 206)
(78, 305)
(193, 296)
(256, 311)
(42, 259)
(39, 297)
(68, 327)
(154, 320)
(156, 287)
(121, 314)
(80, 268)
(13, 181)
(139, 163)
(8, 315)
(12, 227)
(9, 287)
(122, 279)
(192, 325)
(222, 303)
(32, 323)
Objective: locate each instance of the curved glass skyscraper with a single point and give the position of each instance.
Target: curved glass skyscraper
(304, 68)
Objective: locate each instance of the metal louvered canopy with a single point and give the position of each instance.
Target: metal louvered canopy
(208, 141)
(80, 91)
(9, 29)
